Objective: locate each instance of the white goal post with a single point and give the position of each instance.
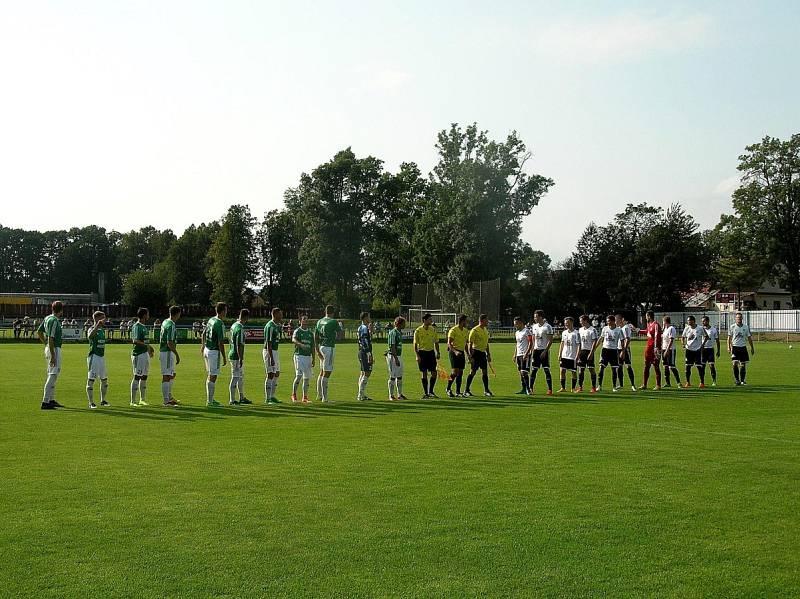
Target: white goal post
(442, 320)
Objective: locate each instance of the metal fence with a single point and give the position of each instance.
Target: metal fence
(759, 321)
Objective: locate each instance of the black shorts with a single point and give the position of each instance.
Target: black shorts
(740, 354)
(626, 357)
(457, 361)
(668, 358)
(523, 363)
(427, 361)
(708, 355)
(693, 357)
(479, 359)
(540, 358)
(584, 361)
(363, 360)
(567, 364)
(609, 357)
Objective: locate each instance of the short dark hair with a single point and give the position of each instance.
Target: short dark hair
(244, 312)
(586, 316)
(142, 312)
(275, 310)
(651, 314)
(566, 318)
(56, 306)
(364, 315)
(399, 321)
(668, 319)
(220, 307)
(174, 311)
(483, 317)
(330, 309)
(462, 317)
(691, 317)
(518, 318)
(538, 313)
(426, 316)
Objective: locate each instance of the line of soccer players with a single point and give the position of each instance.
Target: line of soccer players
(576, 354)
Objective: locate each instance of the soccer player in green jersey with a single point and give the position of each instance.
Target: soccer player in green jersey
(272, 362)
(49, 333)
(140, 357)
(326, 332)
(168, 354)
(303, 340)
(236, 358)
(213, 350)
(96, 359)
(394, 360)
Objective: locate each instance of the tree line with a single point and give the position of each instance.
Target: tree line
(354, 234)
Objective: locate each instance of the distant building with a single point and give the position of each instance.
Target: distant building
(24, 298)
(768, 296)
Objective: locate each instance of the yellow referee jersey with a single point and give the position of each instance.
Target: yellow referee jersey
(479, 337)
(459, 337)
(426, 339)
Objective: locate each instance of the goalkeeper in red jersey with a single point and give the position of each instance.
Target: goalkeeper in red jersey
(652, 350)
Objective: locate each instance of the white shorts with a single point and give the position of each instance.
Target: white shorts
(141, 364)
(328, 354)
(167, 360)
(276, 361)
(302, 366)
(395, 370)
(237, 369)
(53, 369)
(97, 367)
(213, 361)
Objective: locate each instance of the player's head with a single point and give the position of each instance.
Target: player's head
(692, 321)
(569, 323)
(365, 318)
(519, 324)
(221, 309)
(244, 315)
(538, 316)
(142, 314)
(706, 321)
(667, 320)
(399, 322)
(611, 321)
(620, 319)
(329, 310)
(427, 319)
(303, 321)
(277, 315)
(739, 318)
(650, 316)
(483, 320)
(57, 307)
(585, 322)
(462, 320)
(98, 316)
(175, 312)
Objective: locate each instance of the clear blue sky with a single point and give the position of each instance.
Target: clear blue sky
(128, 114)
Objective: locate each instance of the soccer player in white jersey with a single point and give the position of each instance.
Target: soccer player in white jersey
(709, 356)
(522, 353)
(738, 337)
(542, 334)
(610, 354)
(693, 339)
(669, 351)
(96, 360)
(625, 351)
(568, 353)
(588, 335)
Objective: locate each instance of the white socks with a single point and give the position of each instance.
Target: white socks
(134, 390)
(210, 391)
(399, 387)
(362, 385)
(240, 386)
(232, 389)
(165, 391)
(306, 384)
(325, 388)
(392, 388)
(142, 388)
(319, 386)
(90, 390)
(103, 389)
(296, 383)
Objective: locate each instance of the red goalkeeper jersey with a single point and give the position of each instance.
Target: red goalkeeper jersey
(653, 335)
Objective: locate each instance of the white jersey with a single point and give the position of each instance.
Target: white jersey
(523, 338)
(611, 337)
(570, 343)
(588, 336)
(738, 335)
(627, 332)
(693, 337)
(712, 334)
(669, 334)
(540, 334)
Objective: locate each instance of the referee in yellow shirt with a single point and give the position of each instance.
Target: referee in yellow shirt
(426, 346)
(479, 355)
(457, 350)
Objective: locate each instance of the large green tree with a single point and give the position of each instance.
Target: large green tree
(232, 260)
(186, 265)
(280, 239)
(768, 203)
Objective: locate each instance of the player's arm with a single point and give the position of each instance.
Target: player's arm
(549, 342)
(488, 351)
(717, 342)
(416, 346)
(202, 341)
(529, 351)
(173, 347)
(316, 344)
(221, 342)
(561, 345)
(750, 341)
(436, 346)
(451, 344)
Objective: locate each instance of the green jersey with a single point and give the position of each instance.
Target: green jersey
(138, 333)
(169, 332)
(97, 344)
(272, 335)
(215, 333)
(395, 342)
(236, 352)
(306, 337)
(51, 327)
(327, 329)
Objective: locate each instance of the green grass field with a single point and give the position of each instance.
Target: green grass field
(680, 493)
